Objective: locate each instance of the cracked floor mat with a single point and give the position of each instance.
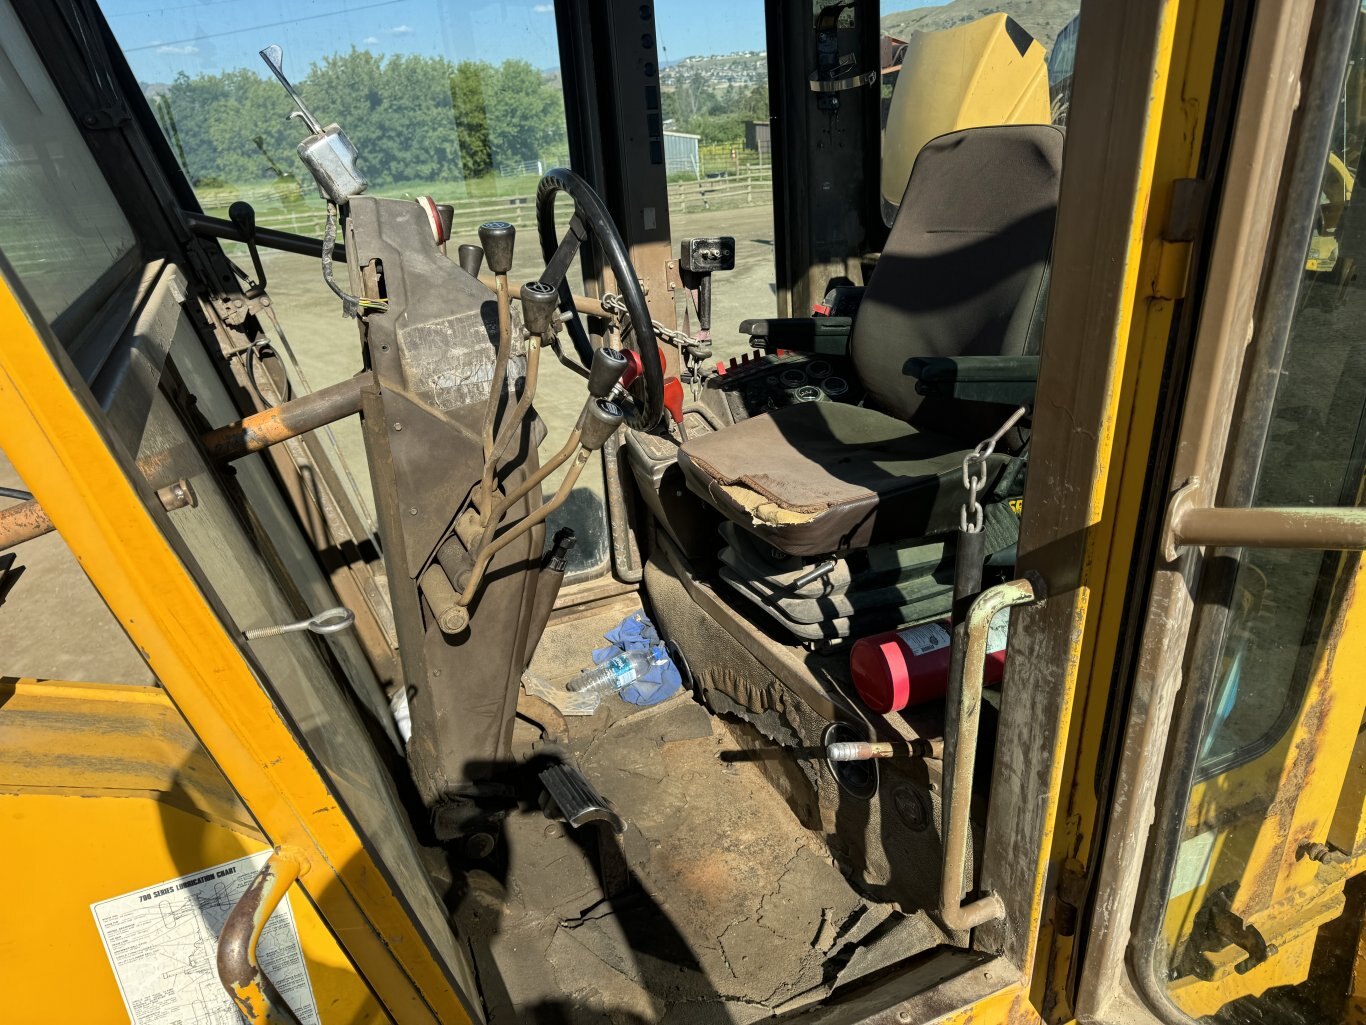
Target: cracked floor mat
(715, 906)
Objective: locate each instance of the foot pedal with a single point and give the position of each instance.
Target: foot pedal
(576, 800)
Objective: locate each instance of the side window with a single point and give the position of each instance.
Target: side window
(1259, 911)
(62, 227)
(461, 102)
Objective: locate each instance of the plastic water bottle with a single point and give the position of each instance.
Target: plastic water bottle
(617, 673)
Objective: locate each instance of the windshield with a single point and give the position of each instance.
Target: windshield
(461, 102)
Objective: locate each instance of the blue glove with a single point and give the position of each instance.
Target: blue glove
(637, 633)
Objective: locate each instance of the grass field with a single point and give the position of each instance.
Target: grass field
(328, 346)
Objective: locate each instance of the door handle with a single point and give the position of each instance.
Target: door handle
(960, 752)
(238, 970)
(1326, 528)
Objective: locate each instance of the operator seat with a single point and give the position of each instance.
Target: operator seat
(963, 274)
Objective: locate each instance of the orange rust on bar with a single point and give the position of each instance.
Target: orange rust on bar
(23, 522)
(287, 420)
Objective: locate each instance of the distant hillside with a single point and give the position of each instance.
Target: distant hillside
(1042, 19)
(744, 68)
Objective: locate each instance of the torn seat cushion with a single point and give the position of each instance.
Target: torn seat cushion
(825, 477)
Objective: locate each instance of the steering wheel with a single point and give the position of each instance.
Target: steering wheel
(591, 220)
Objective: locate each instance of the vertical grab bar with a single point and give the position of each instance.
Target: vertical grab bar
(238, 970)
(965, 699)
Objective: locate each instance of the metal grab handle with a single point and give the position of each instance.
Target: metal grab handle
(251, 990)
(961, 753)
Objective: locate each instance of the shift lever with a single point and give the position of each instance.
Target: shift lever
(243, 217)
(608, 366)
(471, 256)
(497, 238)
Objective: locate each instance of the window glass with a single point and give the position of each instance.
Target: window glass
(1263, 909)
(714, 93)
(61, 227)
(462, 102)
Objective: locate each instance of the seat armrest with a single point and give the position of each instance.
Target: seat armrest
(826, 335)
(1005, 379)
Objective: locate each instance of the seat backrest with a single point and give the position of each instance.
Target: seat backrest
(964, 270)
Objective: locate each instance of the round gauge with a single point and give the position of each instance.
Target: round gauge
(835, 386)
(818, 368)
(793, 377)
(807, 393)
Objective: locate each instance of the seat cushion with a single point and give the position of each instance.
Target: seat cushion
(825, 477)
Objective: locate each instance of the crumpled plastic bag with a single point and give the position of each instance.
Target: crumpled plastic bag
(637, 633)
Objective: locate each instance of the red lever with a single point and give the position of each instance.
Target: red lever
(634, 367)
(673, 398)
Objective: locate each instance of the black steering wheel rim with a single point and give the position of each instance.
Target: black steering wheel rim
(648, 389)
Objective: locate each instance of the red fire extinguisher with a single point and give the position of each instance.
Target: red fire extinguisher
(899, 668)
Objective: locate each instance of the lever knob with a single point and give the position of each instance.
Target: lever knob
(243, 217)
(539, 302)
(471, 257)
(603, 375)
(497, 238)
(600, 419)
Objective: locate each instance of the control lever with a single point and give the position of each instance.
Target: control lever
(605, 373)
(497, 239)
(243, 218)
(327, 152)
(471, 257)
(698, 258)
(598, 421)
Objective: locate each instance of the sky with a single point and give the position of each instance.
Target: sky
(163, 37)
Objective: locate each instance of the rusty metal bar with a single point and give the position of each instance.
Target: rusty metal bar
(27, 520)
(958, 801)
(23, 522)
(1332, 529)
(287, 420)
(586, 305)
(238, 969)
(488, 551)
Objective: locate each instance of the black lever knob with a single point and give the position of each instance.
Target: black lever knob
(603, 375)
(497, 238)
(600, 419)
(243, 217)
(471, 258)
(539, 302)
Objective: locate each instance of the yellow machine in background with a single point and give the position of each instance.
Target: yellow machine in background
(985, 72)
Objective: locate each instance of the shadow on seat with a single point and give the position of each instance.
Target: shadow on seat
(945, 343)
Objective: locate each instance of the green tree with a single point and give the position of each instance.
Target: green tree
(398, 112)
(472, 117)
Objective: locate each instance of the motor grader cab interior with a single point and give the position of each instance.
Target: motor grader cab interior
(992, 574)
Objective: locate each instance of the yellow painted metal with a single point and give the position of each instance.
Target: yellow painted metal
(251, 994)
(1179, 105)
(104, 790)
(48, 427)
(962, 77)
(1268, 815)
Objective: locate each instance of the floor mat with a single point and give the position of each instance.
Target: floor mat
(716, 905)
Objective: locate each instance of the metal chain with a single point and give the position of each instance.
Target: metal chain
(614, 305)
(971, 517)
